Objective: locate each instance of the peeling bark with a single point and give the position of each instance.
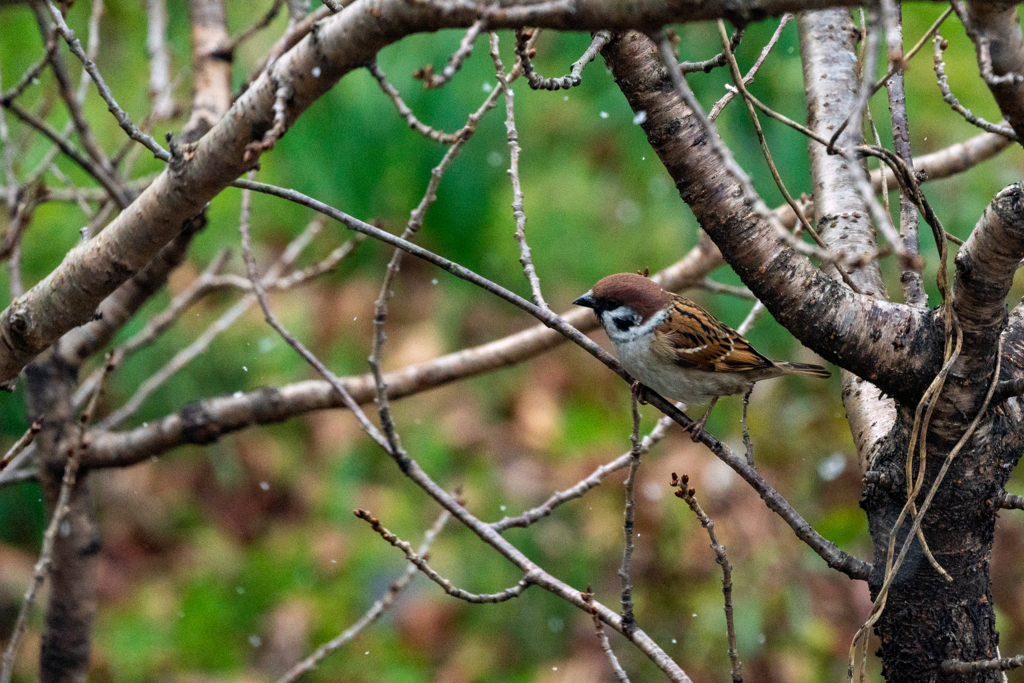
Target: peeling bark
(828, 42)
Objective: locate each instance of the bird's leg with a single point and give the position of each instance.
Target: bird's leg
(638, 392)
(746, 434)
(697, 428)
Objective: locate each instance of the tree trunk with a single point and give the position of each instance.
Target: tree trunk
(927, 620)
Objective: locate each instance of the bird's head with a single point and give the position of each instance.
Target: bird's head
(624, 301)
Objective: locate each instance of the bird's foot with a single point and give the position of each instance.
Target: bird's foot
(697, 428)
(638, 392)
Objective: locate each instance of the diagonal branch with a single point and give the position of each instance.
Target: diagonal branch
(821, 313)
(999, 43)
(333, 48)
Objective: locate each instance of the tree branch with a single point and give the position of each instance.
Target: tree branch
(828, 51)
(866, 336)
(335, 46)
(996, 32)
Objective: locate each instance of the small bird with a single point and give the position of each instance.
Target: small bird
(675, 347)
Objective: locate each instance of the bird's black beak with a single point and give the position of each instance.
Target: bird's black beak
(587, 300)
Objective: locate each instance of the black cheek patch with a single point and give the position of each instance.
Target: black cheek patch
(623, 323)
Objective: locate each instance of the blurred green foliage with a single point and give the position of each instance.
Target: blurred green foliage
(233, 562)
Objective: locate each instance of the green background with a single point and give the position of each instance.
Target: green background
(233, 561)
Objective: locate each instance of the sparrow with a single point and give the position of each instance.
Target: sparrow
(673, 346)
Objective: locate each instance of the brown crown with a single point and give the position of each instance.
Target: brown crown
(641, 294)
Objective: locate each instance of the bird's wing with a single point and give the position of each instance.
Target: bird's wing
(693, 338)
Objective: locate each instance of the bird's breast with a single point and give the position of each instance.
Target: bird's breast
(688, 385)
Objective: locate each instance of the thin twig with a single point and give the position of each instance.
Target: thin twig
(432, 81)
(32, 73)
(949, 98)
(23, 441)
(405, 112)
(110, 184)
(374, 613)
(1000, 664)
(583, 486)
(708, 65)
(260, 24)
(602, 637)
(281, 97)
(421, 563)
(738, 291)
(73, 100)
(525, 258)
(688, 494)
(749, 78)
(261, 296)
(524, 51)
(628, 618)
(90, 66)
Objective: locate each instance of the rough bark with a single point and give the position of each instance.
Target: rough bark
(902, 350)
(71, 608)
(995, 30)
(828, 50)
(927, 620)
(68, 297)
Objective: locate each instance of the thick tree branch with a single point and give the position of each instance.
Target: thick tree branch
(207, 420)
(894, 346)
(996, 32)
(335, 46)
(118, 308)
(828, 49)
(211, 67)
(985, 266)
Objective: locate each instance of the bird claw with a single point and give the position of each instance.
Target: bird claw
(697, 428)
(637, 390)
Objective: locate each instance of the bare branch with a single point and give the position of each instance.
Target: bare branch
(688, 494)
(525, 258)
(374, 613)
(1001, 664)
(602, 637)
(949, 98)
(432, 81)
(524, 52)
(628, 619)
(23, 441)
(122, 117)
(421, 564)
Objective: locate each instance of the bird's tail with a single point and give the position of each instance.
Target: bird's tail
(804, 369)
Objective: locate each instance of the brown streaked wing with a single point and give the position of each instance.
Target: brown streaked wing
(693, 338)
